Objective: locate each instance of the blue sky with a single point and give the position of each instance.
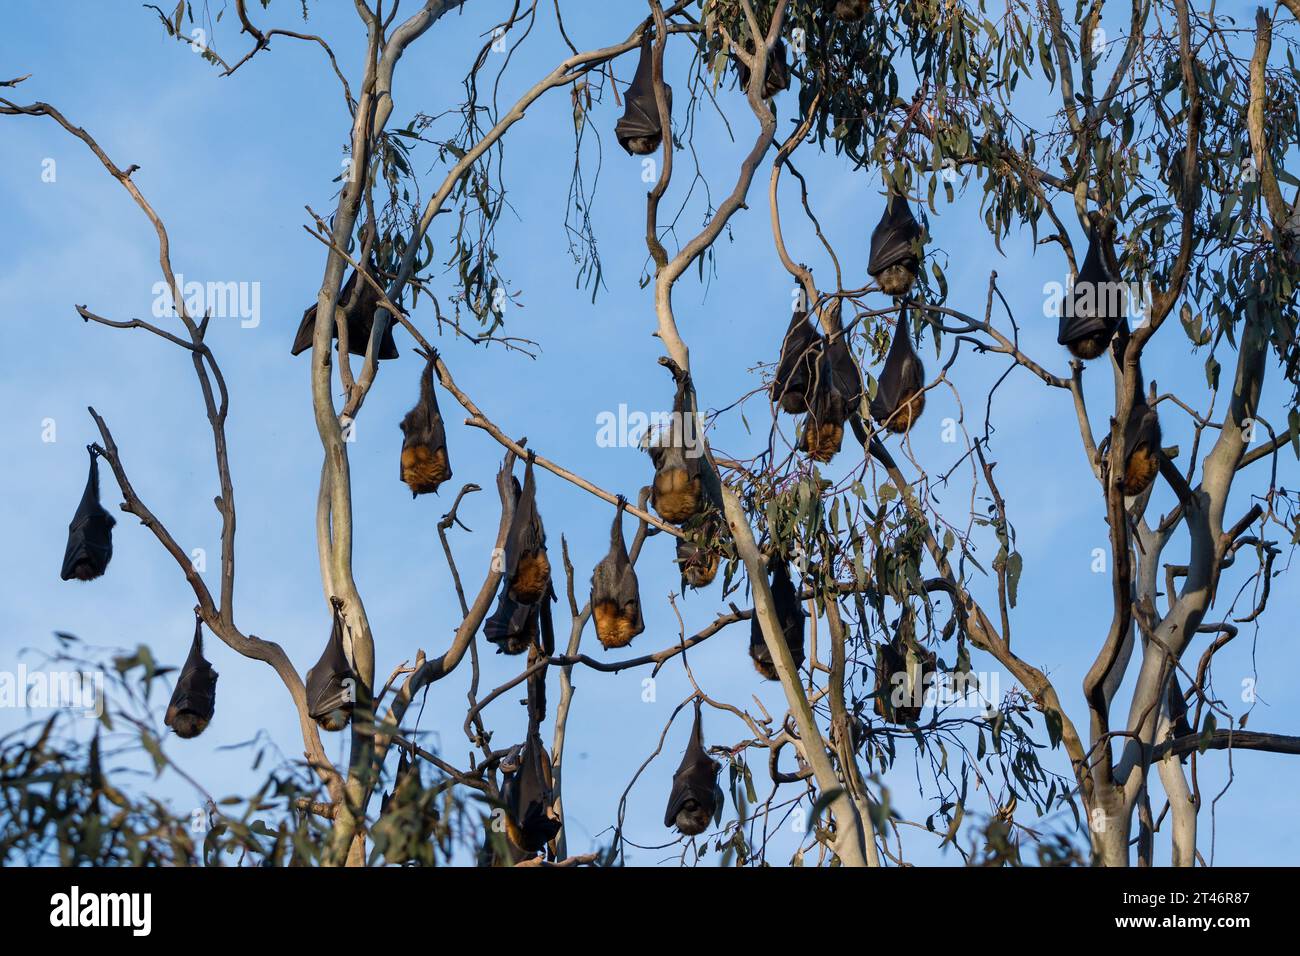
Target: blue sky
(230, 164)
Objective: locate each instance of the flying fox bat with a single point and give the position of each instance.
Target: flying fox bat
(639, 131)
(778, 70)
(90, 535)
(1093, 309)
(789, 616)
(358, 301)
(695, 796)
(194, 700)
(332, 685)
(797, 366)
(894, 261)
(1142, 444)
(615, 597)
(528, 570)
(836, 396)
(900, 689)
(529, 797)
(424, 442)
(678, 492)
(900, 395)
(513, 627)
(698, 558)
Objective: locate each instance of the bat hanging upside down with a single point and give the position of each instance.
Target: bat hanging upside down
(615, 596)
(528, 569)
(424, 445)
(695, 797)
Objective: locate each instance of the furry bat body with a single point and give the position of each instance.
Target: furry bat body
(900, 689)
(1095, 306)
(424, 443)
(797, 366)
(836, 396)
(639, 131)
(1141, 441)
(529, 797)
(900, 395)
(332, 685)
(357, 301)
(678, 491)
(528, 569)
(778, 70)
(194, 700)
(615, 596)
(90, 534)
(698, 556)
(695, 797)
(895, 262)
(789, 615)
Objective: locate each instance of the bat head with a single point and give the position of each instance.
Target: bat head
(186, 723)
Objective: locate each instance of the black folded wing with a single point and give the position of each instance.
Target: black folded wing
(695, 779)
(902, 377)
(639, 131)
(194, 701)
(894, 240)
(778, 70)
(332, 685)
(359, 306)
(797, 365)
(529, 795)
(90, 534)
(1095, 305)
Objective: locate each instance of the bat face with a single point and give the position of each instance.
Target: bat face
(894, 243)
(334, 720)
(1090, 346)
(693, 818)
(850, 9)
(513, 627)
(90, 533)
(896, 280)
(639, 131)
(186, 724)
(615, 626)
